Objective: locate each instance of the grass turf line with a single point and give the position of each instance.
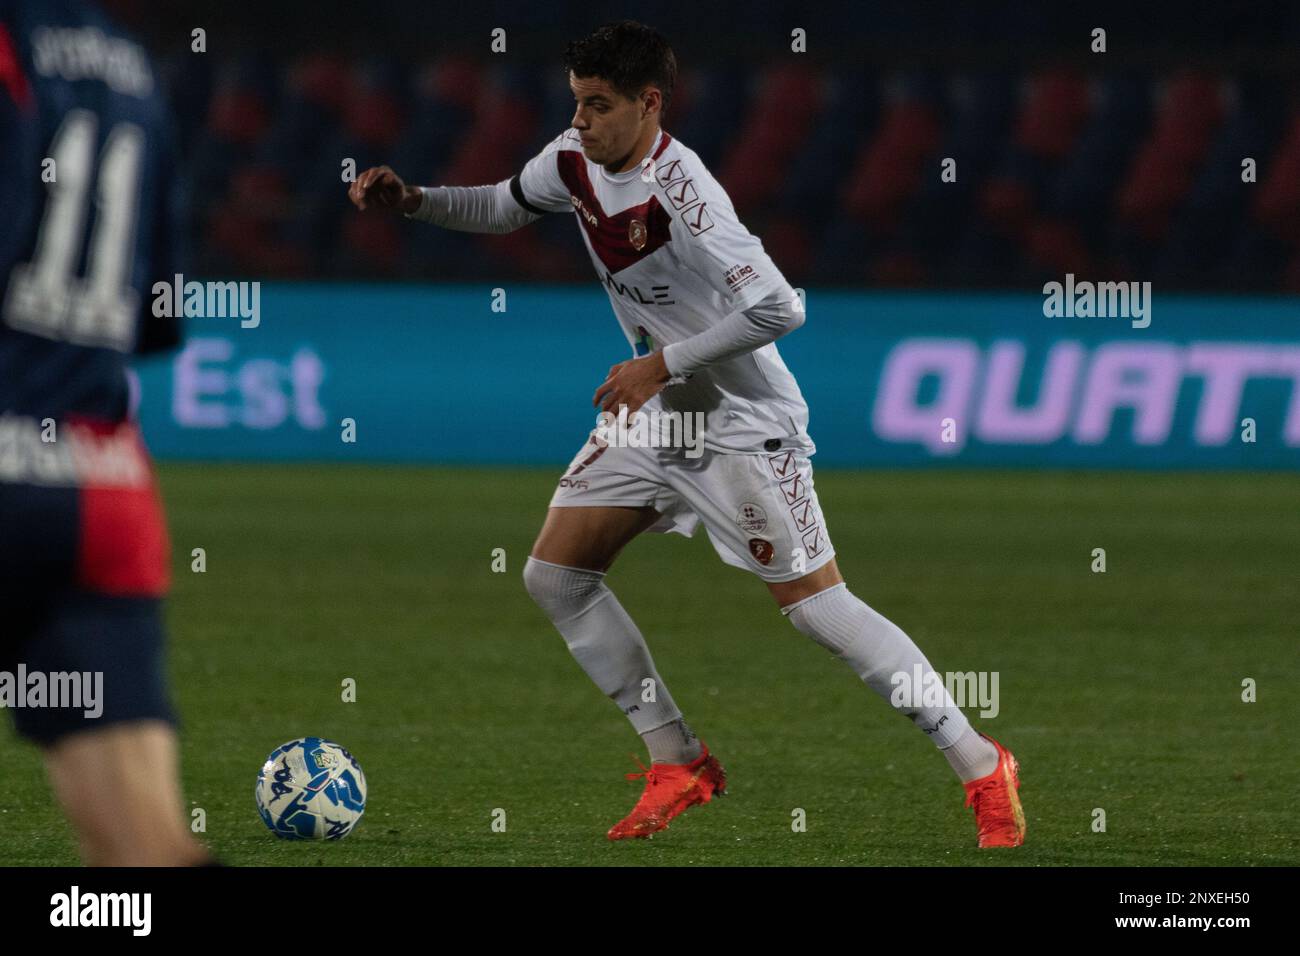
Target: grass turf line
(1119, 691)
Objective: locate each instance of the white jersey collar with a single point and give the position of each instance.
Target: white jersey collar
(635, 171)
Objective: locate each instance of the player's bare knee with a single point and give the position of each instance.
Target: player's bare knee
(789, 593)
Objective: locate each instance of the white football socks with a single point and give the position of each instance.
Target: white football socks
(674, 742)
(877, 650)
(607, 645)
(972, 757)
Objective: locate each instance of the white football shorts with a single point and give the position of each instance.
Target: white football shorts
(760, 511)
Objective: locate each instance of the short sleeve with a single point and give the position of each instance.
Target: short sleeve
(538, 186)
(712, 241)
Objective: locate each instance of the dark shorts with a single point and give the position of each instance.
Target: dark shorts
(83, 571)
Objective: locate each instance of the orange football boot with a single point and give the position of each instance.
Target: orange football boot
(669, 789)
(998, 813)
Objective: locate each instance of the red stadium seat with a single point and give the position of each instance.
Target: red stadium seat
(1054, 113)
(1007, 204)
(1277, 205)
(890, 168)
(1160, 177)
(1057, 247)
(371, 114)
(319, 79)
(238, 115)
(787, 105)
(789, 244)
(503, 127)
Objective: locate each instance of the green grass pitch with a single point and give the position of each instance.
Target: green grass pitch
(1120, 691)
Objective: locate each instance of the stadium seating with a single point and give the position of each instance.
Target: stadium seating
(836, 167)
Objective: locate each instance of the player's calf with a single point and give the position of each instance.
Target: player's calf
(879, 651)
(119, 787)
(604, 640)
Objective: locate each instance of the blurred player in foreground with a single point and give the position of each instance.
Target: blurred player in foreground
(701, 305)
(83, 545)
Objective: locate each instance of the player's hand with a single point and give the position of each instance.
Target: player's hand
(381, 188)
(632, 383)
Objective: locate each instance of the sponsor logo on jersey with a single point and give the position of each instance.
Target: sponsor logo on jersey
(751, 518)
(607, 233)
(740, 276)
(582, 210)
(59, 454)
(88, 53)
(659, 294)
(761, 550)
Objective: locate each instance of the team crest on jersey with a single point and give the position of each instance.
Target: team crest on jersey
(761, 550)
(751, 518)
(636, 234)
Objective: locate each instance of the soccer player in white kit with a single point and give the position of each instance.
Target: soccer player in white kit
(701, 305)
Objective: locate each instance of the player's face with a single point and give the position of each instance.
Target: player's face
(610, 124)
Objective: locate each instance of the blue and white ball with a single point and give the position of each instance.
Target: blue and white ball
(311, 789)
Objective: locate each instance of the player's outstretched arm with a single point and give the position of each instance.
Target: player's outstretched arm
(465, 208)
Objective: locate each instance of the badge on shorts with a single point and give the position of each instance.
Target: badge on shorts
(772, 444)
(636, 234)
(761, 550)
(751, 518)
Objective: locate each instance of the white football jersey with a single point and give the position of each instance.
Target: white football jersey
(672, 255)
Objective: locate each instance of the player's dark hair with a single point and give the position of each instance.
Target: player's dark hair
(627, 55)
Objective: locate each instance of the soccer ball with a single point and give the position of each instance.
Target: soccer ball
(311, 789)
